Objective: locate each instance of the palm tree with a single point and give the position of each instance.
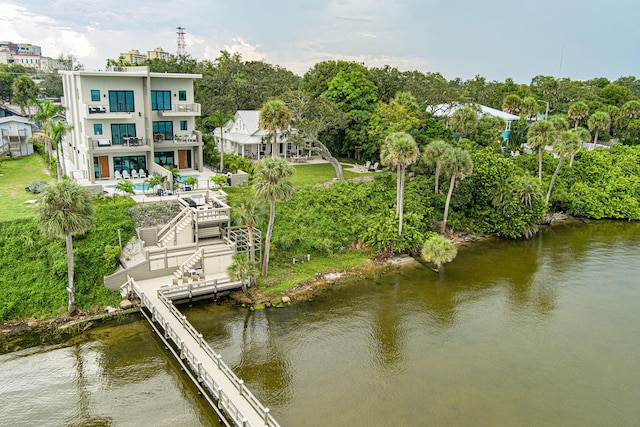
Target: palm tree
(275, 116)
(244, 270)
(568, 142)
(539, 135)
(599, 120)
(272, 184)
(125, 187)
(464, 121)
(530, 108)
(218, 119)
(155, 181)
(578, 111)
(398, 151)
(65, 210)
(45, 112)
(584, 136)
(249, 213)
(512, 104)
(432, 157)
(24, 92)
(58, 131)
(439, 250)
(457, 164)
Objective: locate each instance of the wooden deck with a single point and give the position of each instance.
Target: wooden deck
(220, 386)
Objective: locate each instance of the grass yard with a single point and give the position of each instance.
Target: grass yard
(16, 175)
(318, 173)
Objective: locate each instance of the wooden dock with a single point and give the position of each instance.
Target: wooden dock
(226, 393)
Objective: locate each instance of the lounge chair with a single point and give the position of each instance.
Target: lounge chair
(367, 165)
(134, 174)
(374, 167)
(125, 174)
(117, 174)
(142, 173)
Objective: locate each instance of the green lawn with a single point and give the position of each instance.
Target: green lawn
(16, 175)
(318, 173)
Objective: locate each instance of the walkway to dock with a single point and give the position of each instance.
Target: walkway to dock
(220, 386)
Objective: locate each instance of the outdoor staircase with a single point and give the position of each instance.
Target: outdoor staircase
(193, 260)
(167, 236)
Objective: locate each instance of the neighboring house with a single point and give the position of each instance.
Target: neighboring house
(15, 134)
(447, 110)
(244, 136)
(130, 118)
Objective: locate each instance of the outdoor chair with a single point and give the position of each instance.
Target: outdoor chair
(374, 167)
(142, 173)
(117, 174)
(367, 165)
(125, 174)
(134, 174)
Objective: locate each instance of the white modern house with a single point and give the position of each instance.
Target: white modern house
(244, 137)
(15, 132)
(447, 110)
(128, 118)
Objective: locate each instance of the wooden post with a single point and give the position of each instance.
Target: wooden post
(200, 340)
(240, 384)
(184, 319)
(266, 416)
(219, 397)
(218, 358)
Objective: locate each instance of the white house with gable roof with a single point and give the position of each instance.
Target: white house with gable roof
(244, 137)
(447, 110)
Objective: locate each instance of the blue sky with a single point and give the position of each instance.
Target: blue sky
(495, 39)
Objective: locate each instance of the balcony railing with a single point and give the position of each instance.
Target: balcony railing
(127, 142)
(178, 109)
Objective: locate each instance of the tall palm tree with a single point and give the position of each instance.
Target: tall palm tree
(584, 136)
(58, 131)
(249, 213)
(464, 121)
(530, 108)
(218, 119)
(568, 142)
(457, 164)
(24, 92)
(65, 210)
(275, 116)
(43, 116)
(439, 250)
(432, 157)
(272, 184)
(512, 104)
(398, 151)
(539, 135)
(598, 121)
(578, 111)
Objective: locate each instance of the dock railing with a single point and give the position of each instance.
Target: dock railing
(204, 377)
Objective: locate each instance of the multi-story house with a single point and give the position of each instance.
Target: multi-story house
(128, 118)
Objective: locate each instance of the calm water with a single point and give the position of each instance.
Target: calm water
(539, 332)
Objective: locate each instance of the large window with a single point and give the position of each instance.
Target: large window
(121, 101)
(162, 131)
(119, 131)
(97, 129)
(95, 95)
(161, 100)
(129, 163)
(164, 158)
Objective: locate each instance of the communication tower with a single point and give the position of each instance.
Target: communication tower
(182, 46)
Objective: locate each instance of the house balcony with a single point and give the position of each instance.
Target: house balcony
(191, 140)
(127, 144)
(101, 112)
(181, 110)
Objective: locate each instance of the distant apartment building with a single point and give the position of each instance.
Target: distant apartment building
(128, 118)
(135, 57)
(25, 54)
